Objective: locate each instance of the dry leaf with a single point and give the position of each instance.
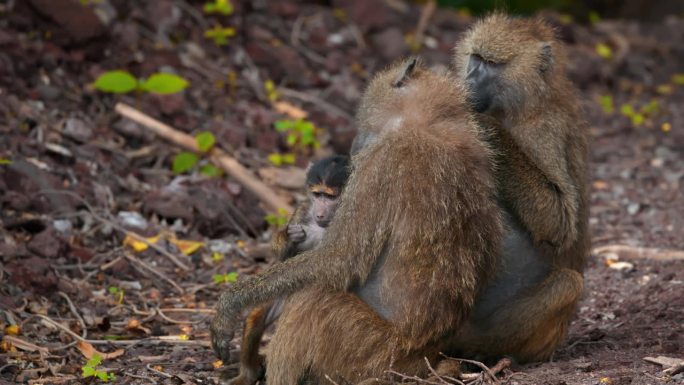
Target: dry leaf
(186, 247)
(13, 330)
(137, 245)
(88, 350)
(217, 364)
(23, 345)
(290, 110)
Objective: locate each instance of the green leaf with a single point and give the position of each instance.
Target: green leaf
(289, 158)
(102, 376)
(651, 107)
(606, 102)
(275, 159)
(627, 110)
(209, 8)
(284, 125)
(87, 371)
(291, 139)
(604, 51)
(638, 119)
(95, 360)
(113, 290)
(162, 83)
(594, 17)
(205, 141)
(184, 162)
(232, 276)
(678, 79)
(5, 161)
(209, 170)
(117, 82)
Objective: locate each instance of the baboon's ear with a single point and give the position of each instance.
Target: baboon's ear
(546, 53)
(405, 73)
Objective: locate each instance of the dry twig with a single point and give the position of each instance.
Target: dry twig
(223, 160)
(635, 252)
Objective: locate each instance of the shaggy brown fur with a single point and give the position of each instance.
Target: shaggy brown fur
(535, 127)
(413, 241)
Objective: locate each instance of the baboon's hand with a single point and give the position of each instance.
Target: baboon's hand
(296, 233)
(224, 324)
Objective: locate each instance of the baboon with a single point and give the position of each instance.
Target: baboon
(513, 72)
(325, 181)
(413, 241)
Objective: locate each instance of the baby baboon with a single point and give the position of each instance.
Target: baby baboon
(325, 181)
(413, 241)
(513, 70)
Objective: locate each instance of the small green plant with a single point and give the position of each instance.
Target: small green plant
(271, 92)
(90, 369)
(678, 79)
(117, 293)
(220, 34)
(606, 102)
(594, 17)
(279, 219)
(121, 82)
(220, 279)
(217, 257)
(639, 117)
(282, 159)
(301, 136)
(223, 7)
(604, 51)
(300, 133)
(186, 160)
(4, 161)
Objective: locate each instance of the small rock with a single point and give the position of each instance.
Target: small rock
(63, 226)
(46, 244)
(77, 130)
(48, 92)
(132, 219)
(79, 21)
(170, 104)
(633, 208)
(168, 205)
(32, 274)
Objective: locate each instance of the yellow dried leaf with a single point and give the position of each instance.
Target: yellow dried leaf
(13, 330)
(138, 245)
(217, 364)
(186, 247)
(605, 380)
(290, 110)
(666, 127)
(241, 244)
(184, 337)
(6, 346)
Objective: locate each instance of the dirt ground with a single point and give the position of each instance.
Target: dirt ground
(72, 282)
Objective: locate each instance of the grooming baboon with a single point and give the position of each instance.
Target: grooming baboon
(325, 181)
(413, 241)
(513, 70)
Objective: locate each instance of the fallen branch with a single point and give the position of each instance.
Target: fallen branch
(219, 157)
(635, 252)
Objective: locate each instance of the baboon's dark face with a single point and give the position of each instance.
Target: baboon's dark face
(483, 83)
